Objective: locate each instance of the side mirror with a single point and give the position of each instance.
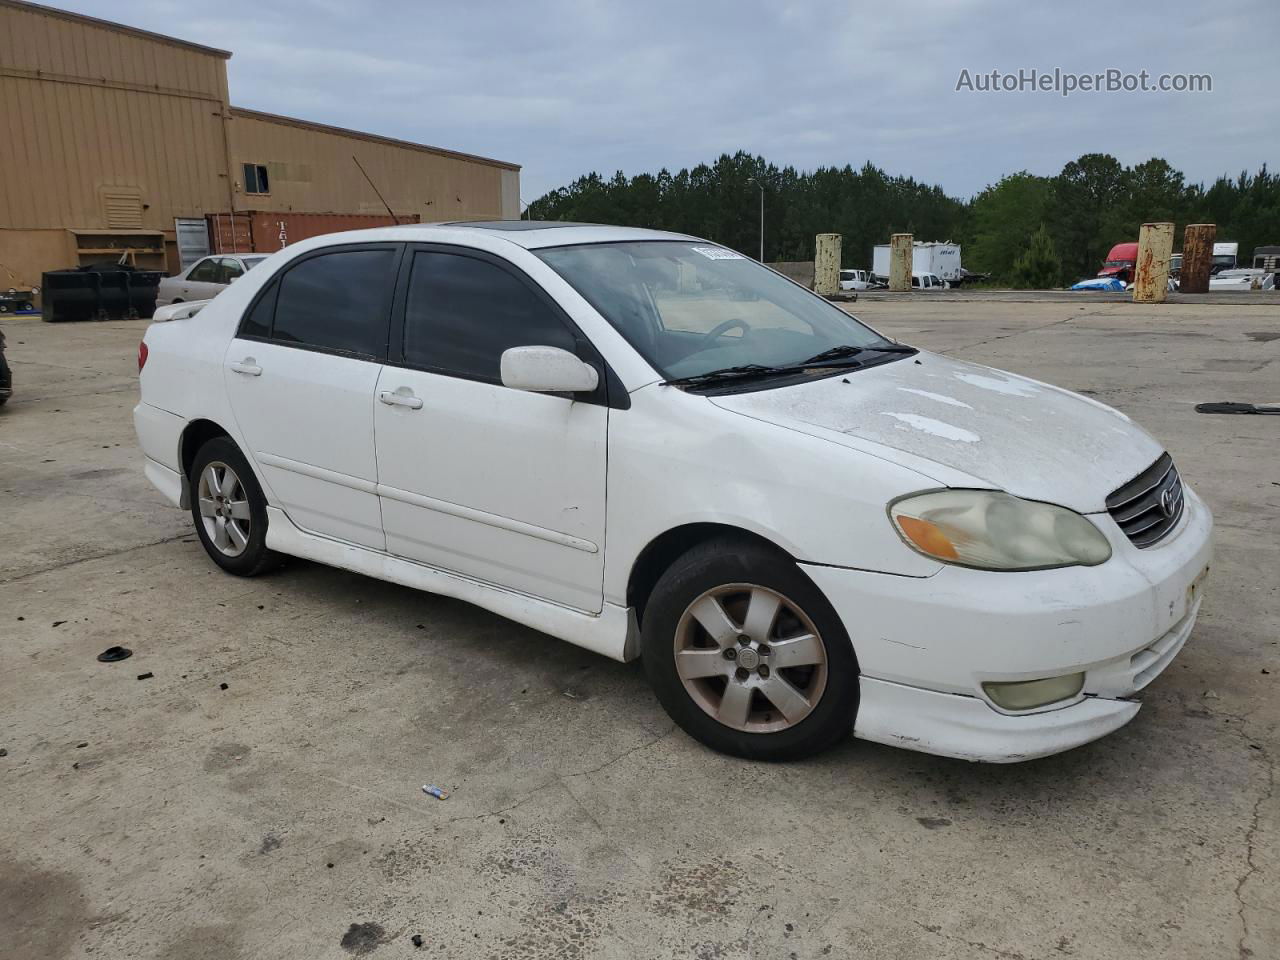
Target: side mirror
(546, 370)
(233, 278)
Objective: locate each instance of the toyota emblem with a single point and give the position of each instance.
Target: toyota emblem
(1167, 501)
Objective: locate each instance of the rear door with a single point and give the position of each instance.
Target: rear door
(301, 375)
(500, 485)
(203, 281)
(232, 270)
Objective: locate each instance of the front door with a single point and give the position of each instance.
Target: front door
(301, 375)
(500, 485)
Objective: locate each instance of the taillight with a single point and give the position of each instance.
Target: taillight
(142, 355)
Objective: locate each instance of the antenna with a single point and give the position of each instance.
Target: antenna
(394, 218)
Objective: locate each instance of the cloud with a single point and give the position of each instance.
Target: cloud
(569, 86)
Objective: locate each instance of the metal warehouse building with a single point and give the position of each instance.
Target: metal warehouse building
(119, 141)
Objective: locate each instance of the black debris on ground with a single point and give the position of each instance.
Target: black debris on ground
(363, 938)
(933, 823)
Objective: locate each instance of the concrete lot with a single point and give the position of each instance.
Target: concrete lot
(282, 816)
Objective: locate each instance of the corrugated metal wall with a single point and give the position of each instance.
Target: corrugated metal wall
(113, 129)
(93, 113)
(310, 169)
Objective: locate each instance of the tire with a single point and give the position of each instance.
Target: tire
(6, 376)
(703, 686)
(229, 510)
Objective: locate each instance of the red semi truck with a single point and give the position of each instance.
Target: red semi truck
(1121, 262)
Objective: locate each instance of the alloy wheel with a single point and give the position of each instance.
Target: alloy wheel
(750, 658)
(224, 508)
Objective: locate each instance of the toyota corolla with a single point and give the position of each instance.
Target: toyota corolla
(651, 446)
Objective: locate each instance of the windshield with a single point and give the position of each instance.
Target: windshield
(690, 308)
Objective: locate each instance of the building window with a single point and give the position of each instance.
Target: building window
(255, 178)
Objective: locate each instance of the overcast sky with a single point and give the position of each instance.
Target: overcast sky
(569, 86)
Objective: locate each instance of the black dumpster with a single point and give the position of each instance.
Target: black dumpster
(99, 291)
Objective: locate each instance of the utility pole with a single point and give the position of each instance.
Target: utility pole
(761, 186)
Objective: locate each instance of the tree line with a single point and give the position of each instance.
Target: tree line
(1025, 230)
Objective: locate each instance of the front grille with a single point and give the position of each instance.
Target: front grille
(1149, 505)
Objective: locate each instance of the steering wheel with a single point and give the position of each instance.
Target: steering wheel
(720, 329)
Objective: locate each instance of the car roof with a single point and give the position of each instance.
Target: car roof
(532, 234)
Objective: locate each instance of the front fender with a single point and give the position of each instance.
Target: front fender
(675, 458)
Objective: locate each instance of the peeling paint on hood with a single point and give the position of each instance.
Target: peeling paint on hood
(1004, 431)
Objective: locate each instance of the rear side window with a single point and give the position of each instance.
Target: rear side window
(206, 271)
(462, 313)
(337, 301)
(258, 322)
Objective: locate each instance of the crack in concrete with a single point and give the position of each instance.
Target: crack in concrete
(97, 556)
(1251, 866)
(599, 826)
(1006, 336)
(974, 944)
(1238, 723)
(507, 809)
(626, 753)
(562, 780)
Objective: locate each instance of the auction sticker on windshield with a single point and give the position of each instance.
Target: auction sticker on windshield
(718, 253)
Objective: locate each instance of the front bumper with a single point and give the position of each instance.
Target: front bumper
(925, 646)
(968, 729)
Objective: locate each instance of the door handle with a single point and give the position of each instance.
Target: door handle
(397, 399)
(246, 366)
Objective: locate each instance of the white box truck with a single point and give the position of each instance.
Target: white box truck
(941, 259)
(1224, 256)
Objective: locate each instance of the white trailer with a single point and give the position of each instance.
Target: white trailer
(941, 259)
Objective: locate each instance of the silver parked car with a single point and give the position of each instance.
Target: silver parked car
(206, 278)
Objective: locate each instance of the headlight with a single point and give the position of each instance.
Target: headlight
(996, 531)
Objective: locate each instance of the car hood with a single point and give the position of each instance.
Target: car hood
(983, 427)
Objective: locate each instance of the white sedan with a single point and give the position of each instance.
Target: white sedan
(651, 446)
(206, 278)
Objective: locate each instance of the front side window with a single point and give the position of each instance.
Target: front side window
(338, 301)
(206, 271)
(255, 178)
(461, 313)
(691, 308)
(231, 270)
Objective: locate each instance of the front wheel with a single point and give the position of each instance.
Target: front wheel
(229, 509)
(746, 654)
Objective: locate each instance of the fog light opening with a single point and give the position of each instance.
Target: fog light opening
(1029, 694)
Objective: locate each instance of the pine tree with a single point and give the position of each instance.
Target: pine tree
(1039, 266)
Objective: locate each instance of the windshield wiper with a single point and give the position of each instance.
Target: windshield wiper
(724, 373)
(845, 355)
(848, 352)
